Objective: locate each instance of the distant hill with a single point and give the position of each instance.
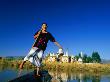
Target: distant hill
(105, 61)
(14, 57)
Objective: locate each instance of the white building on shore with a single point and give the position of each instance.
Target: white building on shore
(64, 58)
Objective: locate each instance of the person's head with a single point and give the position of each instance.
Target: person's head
(44, 26)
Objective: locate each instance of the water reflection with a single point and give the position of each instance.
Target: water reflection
(6, 74)
(79, 77)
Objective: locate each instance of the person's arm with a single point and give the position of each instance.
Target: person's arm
(56, 43)
(37, 35)
(52, 39)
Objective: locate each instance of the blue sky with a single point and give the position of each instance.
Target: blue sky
(78, 25)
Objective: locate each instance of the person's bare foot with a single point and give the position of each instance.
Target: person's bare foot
(37, 75)
(21, 66)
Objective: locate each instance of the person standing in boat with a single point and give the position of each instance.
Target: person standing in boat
(36, 53)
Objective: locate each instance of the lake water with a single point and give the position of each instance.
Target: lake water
(9, 74)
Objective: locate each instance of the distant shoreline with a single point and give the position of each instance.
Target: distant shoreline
(53, 66)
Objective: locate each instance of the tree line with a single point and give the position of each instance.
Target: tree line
(95, 58)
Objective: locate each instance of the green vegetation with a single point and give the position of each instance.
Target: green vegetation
(13, 63)
(95, 58)
(53, 66)
(85, 67)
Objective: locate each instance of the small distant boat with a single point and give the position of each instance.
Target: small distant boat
(30, 77)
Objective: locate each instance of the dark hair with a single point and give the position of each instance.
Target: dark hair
(44, 23)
